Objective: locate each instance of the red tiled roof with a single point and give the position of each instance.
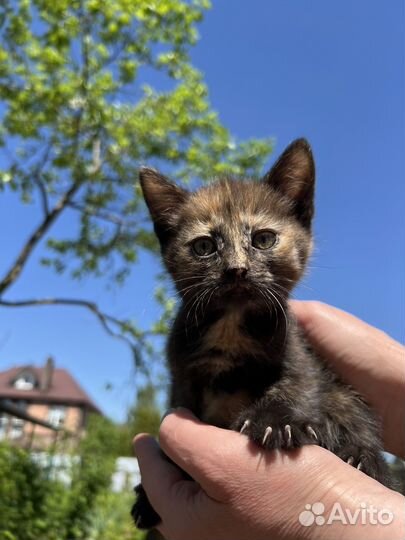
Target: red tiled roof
(63, 388)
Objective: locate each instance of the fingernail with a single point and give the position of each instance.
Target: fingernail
(169, 411)
(176, 409)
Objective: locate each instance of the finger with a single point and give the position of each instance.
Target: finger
(201, 450)
(363, 356)
(163, 482)
(354, 347)
(338, 332)
(344, 340)
(316, 317)
(302, 311)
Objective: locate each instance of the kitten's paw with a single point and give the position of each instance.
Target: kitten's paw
(142, 512)
(266, 430)
(368, 461)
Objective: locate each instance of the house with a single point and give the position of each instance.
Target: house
(37, 403)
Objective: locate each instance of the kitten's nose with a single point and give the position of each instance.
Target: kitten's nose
(237, 273)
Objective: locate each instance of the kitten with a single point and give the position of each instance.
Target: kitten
(237, 359)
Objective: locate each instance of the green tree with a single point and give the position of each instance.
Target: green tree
(80, 114)
(145, 414)
(92, 476)
(143, 417)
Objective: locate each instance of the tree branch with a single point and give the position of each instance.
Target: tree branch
(43, 193)
(105, 319)
(104, 215)
(35, 237)
(115, 54)
(38, 181)
(18, 265)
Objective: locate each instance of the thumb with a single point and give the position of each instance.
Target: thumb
(204, 452)
(164, 483)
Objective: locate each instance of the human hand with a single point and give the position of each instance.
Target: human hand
(240, 492)
(365, 357)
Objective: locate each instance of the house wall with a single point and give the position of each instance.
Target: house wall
(73, 419)
(39, 437)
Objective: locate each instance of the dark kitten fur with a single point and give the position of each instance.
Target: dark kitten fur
(237, 359)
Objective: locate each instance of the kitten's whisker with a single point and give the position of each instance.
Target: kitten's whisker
(200, 303)
(287, 326)
(192, 301)
(201, 284)
(270, 305)
(211, 295)
(280, 300)
(191, 287)
(273, 305)
(322, 267)
(278, 286)
(196, 300)
(190, 278)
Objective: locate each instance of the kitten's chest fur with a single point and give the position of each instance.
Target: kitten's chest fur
(224, 364)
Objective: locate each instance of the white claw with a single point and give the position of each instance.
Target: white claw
(350, 461)
(245, 425)
(359, 466)
(287, 430)
(311, 432)
(267, 434)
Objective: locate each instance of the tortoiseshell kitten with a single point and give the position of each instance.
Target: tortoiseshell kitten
(237, 359)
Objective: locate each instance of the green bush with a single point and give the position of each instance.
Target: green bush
(35, 506)
(32, 505)
(112, 520)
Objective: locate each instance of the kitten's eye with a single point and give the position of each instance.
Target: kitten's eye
(264, 239)
(203, 247)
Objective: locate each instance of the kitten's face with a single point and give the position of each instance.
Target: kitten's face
(237, 240)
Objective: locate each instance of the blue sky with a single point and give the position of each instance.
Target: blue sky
(331, 71)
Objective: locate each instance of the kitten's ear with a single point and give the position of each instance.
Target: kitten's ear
(293, 175)
(164, 200)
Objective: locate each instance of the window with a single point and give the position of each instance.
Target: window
(25, 381)
(57, 416)
(17, 428)
(11, 427)
(3, 426)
